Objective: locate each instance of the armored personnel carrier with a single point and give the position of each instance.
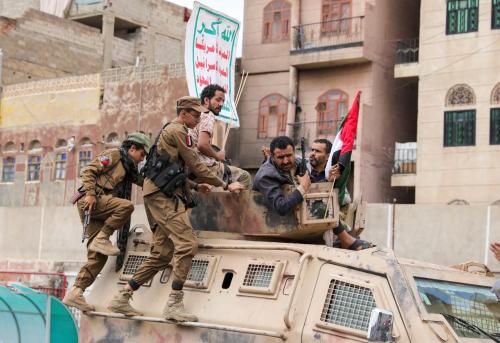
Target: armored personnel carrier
(251, 281)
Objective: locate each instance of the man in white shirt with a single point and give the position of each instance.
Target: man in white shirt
(213, 97)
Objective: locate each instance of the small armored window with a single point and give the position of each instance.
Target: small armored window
(228, 278)
(262, 277)
(165, 274)
(132, 263)
(202, 271)
(348, 305)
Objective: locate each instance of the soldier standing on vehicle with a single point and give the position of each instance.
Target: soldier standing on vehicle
(106, 179)
(166, 200)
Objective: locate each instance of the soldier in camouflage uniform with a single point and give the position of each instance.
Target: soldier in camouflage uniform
(173, 238)
(104, 179)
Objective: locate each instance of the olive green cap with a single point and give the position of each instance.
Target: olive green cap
(140, 138)
(191, 102)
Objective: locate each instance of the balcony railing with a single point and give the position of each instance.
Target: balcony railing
(405, 158)
(407, 51)
(327, 35)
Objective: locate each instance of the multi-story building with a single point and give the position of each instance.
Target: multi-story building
(306, 61)
(455, 63)
(43, 39)
(61, 100)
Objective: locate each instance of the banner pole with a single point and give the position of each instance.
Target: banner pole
(238, 96)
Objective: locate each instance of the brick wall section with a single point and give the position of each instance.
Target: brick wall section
(16, 8)
(42, 46)
(123, 52)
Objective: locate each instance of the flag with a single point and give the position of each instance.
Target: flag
(342, 147)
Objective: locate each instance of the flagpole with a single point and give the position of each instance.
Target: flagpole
(238, 96)
(329, 197)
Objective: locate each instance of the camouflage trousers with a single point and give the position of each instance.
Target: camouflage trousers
(109, 214)
(173, 238)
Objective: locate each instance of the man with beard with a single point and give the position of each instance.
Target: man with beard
(280, 169)
(105, 179)
(213, 97)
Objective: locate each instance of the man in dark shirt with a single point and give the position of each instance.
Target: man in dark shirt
(279, 170)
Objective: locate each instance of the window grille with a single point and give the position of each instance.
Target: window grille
(262, 277)
(462, 16)
(60, 170)
(34, 163)
(198, 271)
(459, 128)
(9, 169)
(132, 263)
(258, 275)
(201, 272)
(495, 126)
(348, 305)
(495, 14)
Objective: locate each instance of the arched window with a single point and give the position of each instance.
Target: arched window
(9, 162)
(495, 115)
(34, 145)
(61, 144)
(113, 138)
(335, 16)
(460, 120)
(84, 153)
(332, 105)
(276, 24)
(34, 160)
(272, 116)
(9, 147)
(8, 169)
(61, 159)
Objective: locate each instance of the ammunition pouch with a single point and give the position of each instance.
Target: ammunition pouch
(166, 175)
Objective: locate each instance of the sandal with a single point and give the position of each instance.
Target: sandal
(360, 243)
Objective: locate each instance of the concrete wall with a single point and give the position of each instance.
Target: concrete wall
(470, 173)
(440, 234)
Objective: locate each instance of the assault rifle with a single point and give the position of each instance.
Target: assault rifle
(301, 171)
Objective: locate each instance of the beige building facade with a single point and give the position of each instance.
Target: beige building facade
(306, 61)
(458, 77)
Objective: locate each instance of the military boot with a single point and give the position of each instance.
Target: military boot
(75, 298)
(121, 304)
(174, 310)
(102, 245)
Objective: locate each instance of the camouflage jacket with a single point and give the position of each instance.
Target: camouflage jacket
(175, 141)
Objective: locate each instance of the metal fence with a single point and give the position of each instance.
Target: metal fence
(405, 159)
(328, 34)
(407, 51)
